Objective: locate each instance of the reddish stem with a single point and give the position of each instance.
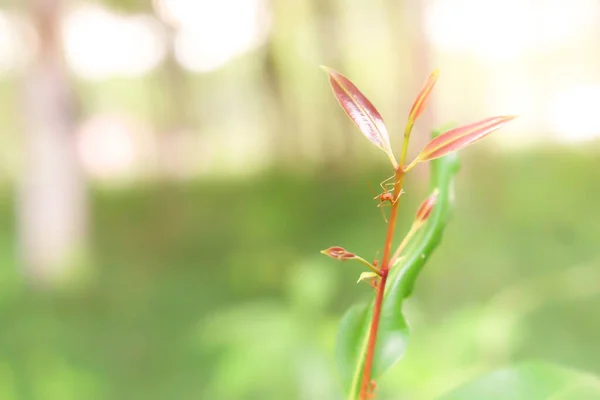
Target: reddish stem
(365, 389)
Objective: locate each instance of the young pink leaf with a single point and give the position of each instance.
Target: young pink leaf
(360, 110)
(458, 138)
(423, 98)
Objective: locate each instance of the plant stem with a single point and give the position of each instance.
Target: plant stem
(413, 229)
(369, 265)
(365, 388)
(407, 132)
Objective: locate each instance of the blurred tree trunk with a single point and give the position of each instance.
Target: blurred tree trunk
(282, 128)
(336, 143)
(423, 55)
(279, 70)
(177, 117)
(52, 202)
(407, 20)
(305, 127)
(422, 67)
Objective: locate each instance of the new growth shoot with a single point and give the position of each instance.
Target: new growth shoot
(359, 342)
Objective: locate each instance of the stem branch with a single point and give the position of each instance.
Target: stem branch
(407, 132)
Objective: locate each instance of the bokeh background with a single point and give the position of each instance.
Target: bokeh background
(170, 170)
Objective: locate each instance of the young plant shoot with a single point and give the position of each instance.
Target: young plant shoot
(372, 337)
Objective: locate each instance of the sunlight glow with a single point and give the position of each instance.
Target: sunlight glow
(502, 29)
(574, 114)
(100, 44)
(106, 146)
(17, 42)
(211, 33)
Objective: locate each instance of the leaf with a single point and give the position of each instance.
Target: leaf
(393, 329)
(360, 110)
(529, 381)
(458, 138)
(366, 275)
(423, 98)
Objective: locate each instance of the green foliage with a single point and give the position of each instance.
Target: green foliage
(144, 330)
(129, 6)
(291, 335)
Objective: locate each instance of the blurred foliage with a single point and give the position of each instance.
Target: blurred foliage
(530, 381)
(216, 289)
(127, 6)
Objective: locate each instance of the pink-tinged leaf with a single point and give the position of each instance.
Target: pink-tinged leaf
(458, 138)
(426, 206)
(359, 109)
(423, 98)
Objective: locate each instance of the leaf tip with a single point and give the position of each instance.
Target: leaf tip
(325, 68)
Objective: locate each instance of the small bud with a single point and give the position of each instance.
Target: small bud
(426, 206)
(423, 98)
(339, 253)
(366, 275)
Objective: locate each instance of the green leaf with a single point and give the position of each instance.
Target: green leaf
(530, 381)
(366, 276)
(393, 329)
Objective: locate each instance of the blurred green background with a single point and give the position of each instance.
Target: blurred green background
(170, 170)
